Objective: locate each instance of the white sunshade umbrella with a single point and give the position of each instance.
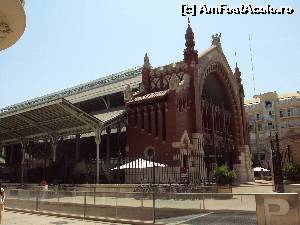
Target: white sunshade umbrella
(139, 164)
(259, 169)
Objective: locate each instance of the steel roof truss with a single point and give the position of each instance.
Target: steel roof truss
(79, 116)
(36, 124)
(11, 133)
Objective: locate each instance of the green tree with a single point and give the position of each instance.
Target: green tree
(290, 170)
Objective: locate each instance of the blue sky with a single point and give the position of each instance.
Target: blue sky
(68, 42)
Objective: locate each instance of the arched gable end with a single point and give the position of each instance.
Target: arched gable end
(229, 85)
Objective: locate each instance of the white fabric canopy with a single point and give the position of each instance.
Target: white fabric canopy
(139, 164)
(259, 169)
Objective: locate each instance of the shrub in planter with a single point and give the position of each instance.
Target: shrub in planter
(224, 178)
(291, 170)
(223, 175)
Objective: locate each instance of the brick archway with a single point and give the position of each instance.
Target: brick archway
(234, 106)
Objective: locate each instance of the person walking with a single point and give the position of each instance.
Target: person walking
(2, 198)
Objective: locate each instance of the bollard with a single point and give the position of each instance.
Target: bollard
(116, 196)
(84, 206)
(203, 201)
(153, 212)
(94, 195)
(200, 206)
(37, 201)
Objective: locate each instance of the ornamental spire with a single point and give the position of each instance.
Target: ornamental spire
(190, 54)
(146, 74)
(147, 62)
(237, 74)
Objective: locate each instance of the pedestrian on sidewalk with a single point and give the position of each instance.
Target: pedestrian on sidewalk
(2, 198)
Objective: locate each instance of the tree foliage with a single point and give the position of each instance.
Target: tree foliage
(291, 170)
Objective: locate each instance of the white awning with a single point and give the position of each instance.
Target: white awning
(139, 164)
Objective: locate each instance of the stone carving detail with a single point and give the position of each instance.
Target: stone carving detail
(161, 81)
(184, 144)
(184, 83)
(185, 140)
(128, 93)
(4, 30)
(173, 83)
(147, 64)
(216, 39)
(186, 80)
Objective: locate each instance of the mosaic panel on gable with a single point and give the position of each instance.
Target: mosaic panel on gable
(161, 82)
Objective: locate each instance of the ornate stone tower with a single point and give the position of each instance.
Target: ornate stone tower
(145, 85)
(190, 54)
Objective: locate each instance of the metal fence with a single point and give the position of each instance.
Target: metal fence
(146, 206)
(173, 168)
(169, 168)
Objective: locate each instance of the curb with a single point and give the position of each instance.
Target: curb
(102, 219)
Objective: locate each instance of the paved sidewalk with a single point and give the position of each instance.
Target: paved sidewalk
(259, 186)
(134, 203)
(213, 219)
(18, 218)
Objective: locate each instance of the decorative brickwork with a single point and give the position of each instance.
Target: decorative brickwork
(193, 106)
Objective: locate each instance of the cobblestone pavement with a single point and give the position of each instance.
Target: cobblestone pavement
(18, 218)
(213, 219)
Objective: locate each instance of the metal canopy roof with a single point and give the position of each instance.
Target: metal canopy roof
(103, 86)
(112, 118)
(54, 118)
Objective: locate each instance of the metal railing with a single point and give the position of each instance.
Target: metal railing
(143, 206)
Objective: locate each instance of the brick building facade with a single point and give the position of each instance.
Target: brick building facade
(193, 106)
(190, 111)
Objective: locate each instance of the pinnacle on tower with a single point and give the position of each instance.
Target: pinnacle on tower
(237, 73)
(146, 73)
(190, 54)
(147, 64)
